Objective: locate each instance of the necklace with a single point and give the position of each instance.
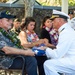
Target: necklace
(12, 36)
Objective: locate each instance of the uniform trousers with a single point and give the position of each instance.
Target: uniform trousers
(62, 65)
(27, 64)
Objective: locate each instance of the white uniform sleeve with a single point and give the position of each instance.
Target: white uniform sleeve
(62, 47)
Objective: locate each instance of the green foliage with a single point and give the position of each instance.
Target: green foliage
(55, 2)
(71, 2)
(48, 2)
(45, 4)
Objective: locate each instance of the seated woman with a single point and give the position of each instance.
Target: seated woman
(29, 38)
(48, 32)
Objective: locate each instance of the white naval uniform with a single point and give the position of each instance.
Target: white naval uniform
(63, 57)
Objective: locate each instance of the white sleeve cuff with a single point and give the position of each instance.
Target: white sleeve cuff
(49, 52)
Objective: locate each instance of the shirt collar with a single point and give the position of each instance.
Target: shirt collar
(62, 27)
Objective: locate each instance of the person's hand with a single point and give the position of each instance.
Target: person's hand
(40, 41)
(29, 52)
(42, 47)
(45, 41)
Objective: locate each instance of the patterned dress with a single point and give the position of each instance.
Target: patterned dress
(32, 37)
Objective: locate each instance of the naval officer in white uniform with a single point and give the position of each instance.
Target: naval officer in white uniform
(72, 23)
(63, 57)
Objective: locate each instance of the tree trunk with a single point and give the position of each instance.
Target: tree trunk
(29, 5)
